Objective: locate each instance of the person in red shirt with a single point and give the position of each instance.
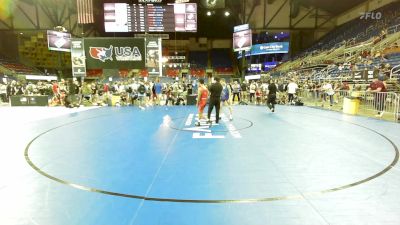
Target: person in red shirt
(202, 97)
(378, 87)
(258, 96)
(106, 88)
(55, 88)
(56, 93)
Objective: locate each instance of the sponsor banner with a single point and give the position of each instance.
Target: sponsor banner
(242, 40)
(267, 48)
(153, 56)
(255, 67)
(78, 59)
(38, 77)
(270, 48)
(59, 41)
(270, 65)
(115, 53)
(253, 77)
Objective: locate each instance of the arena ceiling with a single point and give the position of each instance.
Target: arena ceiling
(333, 6)
(45, 14)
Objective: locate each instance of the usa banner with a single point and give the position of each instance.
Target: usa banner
(115, 53)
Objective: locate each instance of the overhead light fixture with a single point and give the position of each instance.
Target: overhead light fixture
(227, 13)
(208, 13)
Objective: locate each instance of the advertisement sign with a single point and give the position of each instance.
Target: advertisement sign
(78, 59)
(59, 41)
(253, 77)
(242, 40)
(270, 65)
(267, 48)
(153, 56)
(255, 67)
(115, 53)
(270, 48)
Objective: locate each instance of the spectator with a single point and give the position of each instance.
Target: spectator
(236, 91)
(378, 88)
(3, 92)
(292, 88)
(328, 92)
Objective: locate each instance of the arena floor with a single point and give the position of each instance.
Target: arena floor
(125, 166)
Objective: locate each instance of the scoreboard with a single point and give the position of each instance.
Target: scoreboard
(123, 17)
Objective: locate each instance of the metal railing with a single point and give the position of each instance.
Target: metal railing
(395, 71)
(385, 104)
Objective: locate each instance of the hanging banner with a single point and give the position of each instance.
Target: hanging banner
(115, 53)
(153, 56)
(242, 40)
(78, 57)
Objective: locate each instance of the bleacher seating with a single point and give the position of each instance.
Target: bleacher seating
(358, 30)
(359, 43)
(221, 58)
(223, 70)
(198, 58)
(94, 73)
(221, 61)
(197, 72)
(172, 72)
(17, 68)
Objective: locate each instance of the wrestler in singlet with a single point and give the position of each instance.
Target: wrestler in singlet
(202, 98)
(226, 99)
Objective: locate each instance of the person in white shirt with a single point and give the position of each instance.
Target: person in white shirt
(292, 88)
(328, 91)
(3, 93)
(252, 91)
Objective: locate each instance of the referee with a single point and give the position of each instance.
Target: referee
(215, 99)
(271, 96)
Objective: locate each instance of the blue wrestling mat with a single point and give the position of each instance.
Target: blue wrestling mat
(155, 166)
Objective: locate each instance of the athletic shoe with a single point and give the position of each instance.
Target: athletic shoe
(230, 118)
(380, 114)
(272, 110)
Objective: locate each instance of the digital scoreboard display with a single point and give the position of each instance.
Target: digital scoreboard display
(59, 41)
(123, 17)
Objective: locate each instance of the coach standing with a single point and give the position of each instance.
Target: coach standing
(215, 99)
